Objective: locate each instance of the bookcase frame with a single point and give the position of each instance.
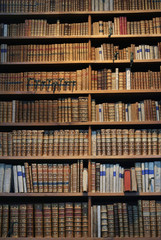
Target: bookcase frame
(90, 63)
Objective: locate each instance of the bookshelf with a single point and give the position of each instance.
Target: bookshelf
(89, 197)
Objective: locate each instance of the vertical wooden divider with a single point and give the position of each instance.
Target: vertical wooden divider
(89, 153)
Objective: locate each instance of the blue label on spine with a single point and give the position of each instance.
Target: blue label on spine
(19, 174)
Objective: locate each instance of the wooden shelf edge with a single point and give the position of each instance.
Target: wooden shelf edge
(43, 194)
(81, 62)
(87, 238)
(82, 12)
(95, 92)
(50, 124)
(122, 157)
(88, 194)
(127, 194)
(81, 37)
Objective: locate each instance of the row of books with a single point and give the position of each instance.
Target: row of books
(45, 81)
(11, 6)
(47, 143)
(103, 79)
(105, 178)
(146, 110)
(43, 53)
(76, 5)
(61, 110)
(76, 52)
(121, 219)
(43, 177)
(108, 142)
(41, 27)
(136, 5)
(112, 178)
(64, 219)
(121, 26)
(108, 51)
(113, 142)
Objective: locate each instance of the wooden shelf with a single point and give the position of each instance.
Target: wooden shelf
(127, 194)
(95, 92)
(90, 194)
(50, 124)
(89, 238)
(80, 62)
(116, 157)
(43, 195)
(48, 14)
(82, 37)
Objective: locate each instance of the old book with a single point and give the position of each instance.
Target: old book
(22, 222)
(38, 220)
(127, 180)
(47, 220)
(7, 178)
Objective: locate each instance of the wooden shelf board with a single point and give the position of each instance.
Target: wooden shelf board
(118, 12)
(127, 194)
(50, 124)
(86, 238)
(116, 157)
(96, 92)
(90, 194)
(43, 194)
(81, 62)
(81, 37)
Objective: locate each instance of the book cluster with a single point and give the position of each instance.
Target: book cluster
(137, 219)
(102, 79)
(112, 142)
(41, 178)
(146, 110)
(108, 51)
(44, 6)
(120, 26)
(40, 27)
(45, 81)
(61, 110)
(44, 53)
(113, 178)
(69, 219)
(44, 143)
(76, 5)
(106, 79)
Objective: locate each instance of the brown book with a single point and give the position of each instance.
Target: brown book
(38, 210)
(22, 222)
(47, 220)
(30, 220)
(54, 212)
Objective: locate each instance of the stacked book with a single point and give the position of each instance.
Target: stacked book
(103, 79)
(44, 53)
(112, 178)
(69, 219)
(109, 51)
(43, 177)
(61, 110)
(136, 219)
(40, 27)
(45, 81)
(120, 26)
(44, 143)
(146, 110)
(112, 142)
